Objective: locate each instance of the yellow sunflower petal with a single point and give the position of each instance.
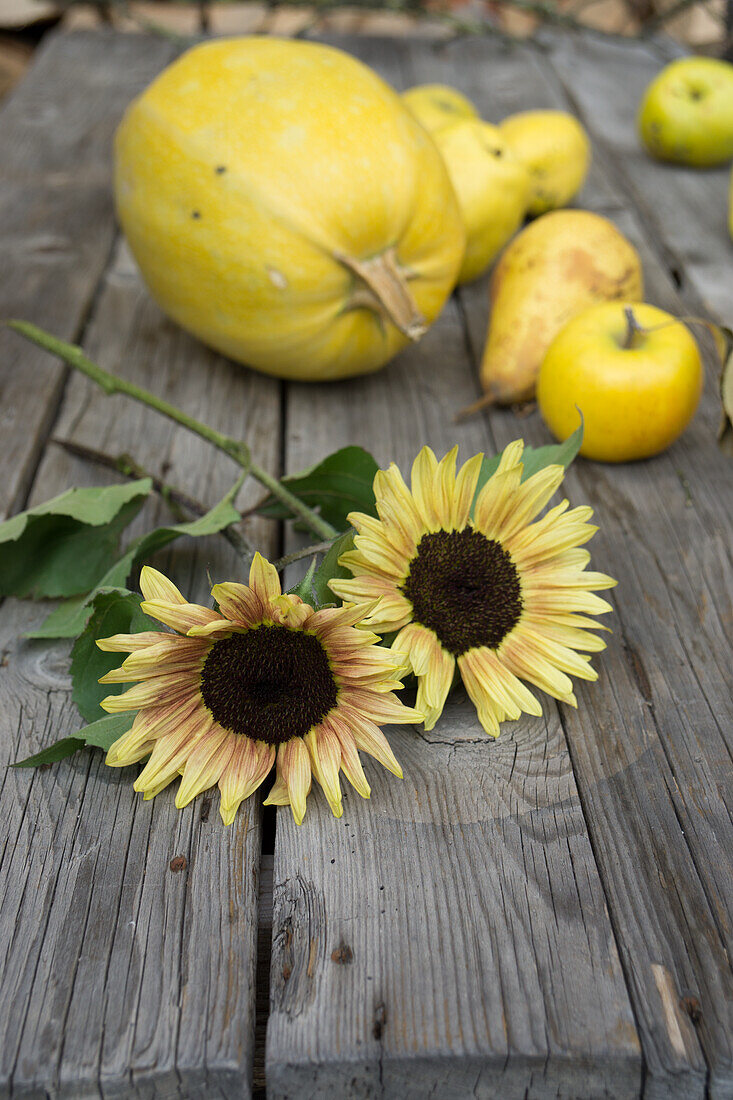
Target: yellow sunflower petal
(529, 499)
(130, 643)
(170, 753)
(238, 603)
(205, 764)
(180, 617)
(464, 491)
(490, 713)
(369, 738)
(494, 499)
(395, 503)
(215, 627)
(325, 754)
(155, 586)
(385, 709)
(350, 762)
(434, 684)
(425, 489)
(248, 767)
(293, 764)
(263, 578)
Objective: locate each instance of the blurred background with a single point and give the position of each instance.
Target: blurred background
(703, 26)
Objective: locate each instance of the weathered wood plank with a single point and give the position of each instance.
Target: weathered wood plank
(669, 699)
(56, 217)
(128, 979)
(685, 210)
(480, 958)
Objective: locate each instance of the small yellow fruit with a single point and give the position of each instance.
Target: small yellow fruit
(285, 207)
(637, 390)
(437, 105)
(686, 115)
(556, 151)
(557, 266)
(492, 188)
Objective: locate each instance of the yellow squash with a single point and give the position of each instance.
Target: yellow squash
(286, 207)
(556, 151)
(557, 266)
(491, 185)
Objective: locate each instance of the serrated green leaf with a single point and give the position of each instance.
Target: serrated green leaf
(114, 612)
(534, 459)
(66, 545)
(341, 483)
(329, 569)
(71, 618)
(101, 735)
(304, 588)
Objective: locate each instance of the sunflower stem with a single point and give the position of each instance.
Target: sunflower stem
(236, 449)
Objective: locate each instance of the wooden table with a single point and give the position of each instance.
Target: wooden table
(543, 916)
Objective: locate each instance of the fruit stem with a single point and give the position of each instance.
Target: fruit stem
(237, 449)
(387, 291)
(633, 330)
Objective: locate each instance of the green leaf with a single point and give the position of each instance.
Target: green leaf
(340, 484)
(65, 747)
(70, 619)
(66, 545)
(112, 612)
(535, 459)
(100, 735)
(305, 588)
(329, 569)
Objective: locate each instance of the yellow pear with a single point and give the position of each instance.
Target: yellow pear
(556, 151)
(437, 105)
(557, 266)
(491, 185)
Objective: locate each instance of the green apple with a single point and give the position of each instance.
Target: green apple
(686, 115)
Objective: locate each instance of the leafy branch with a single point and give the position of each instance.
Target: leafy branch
(236, 449)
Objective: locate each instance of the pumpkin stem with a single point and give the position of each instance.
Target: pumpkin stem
(387, 292)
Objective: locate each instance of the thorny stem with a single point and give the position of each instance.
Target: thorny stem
(237, 449)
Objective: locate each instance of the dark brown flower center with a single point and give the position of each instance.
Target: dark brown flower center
(269, 683)
(465, 587)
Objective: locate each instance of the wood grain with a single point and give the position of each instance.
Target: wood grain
(651, 742)
(129, 979)
(685, 210)
(56, 218)
(449, 937)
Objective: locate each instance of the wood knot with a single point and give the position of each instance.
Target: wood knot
(205, 810)
(692, 1007)
(178, 863)
(342, 954)
(380, 1019)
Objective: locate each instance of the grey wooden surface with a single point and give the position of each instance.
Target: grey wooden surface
(543, 916)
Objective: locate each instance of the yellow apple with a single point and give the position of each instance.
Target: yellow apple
(634, 372)
(555, 149)
(437, 105)
(491, 185)
(686, 115)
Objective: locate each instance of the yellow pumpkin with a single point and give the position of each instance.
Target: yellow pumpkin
(286, 207)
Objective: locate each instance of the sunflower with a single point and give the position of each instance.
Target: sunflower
(478, 586)
(263, 678)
